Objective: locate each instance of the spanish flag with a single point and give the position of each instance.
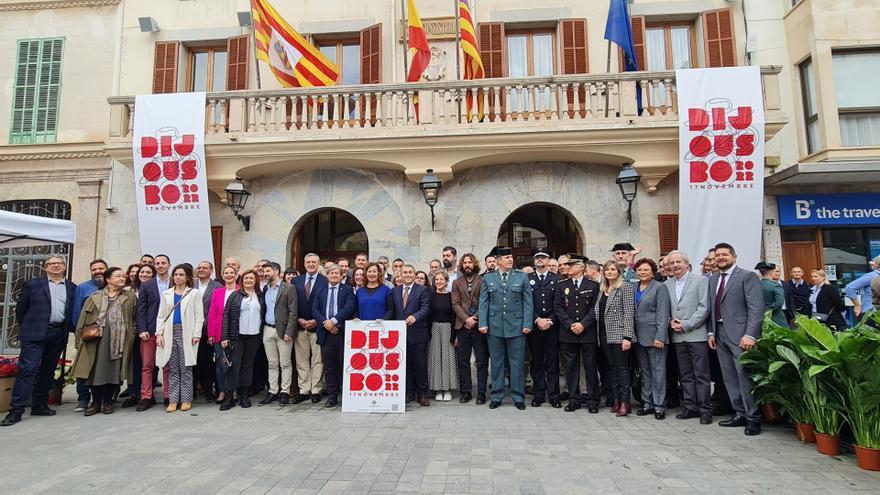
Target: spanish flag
(294, 61)
(417, 42)
(473, 63)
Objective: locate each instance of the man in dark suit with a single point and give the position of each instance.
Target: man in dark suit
(204, 372)
(797, 294)
(44, 313)
(332, 306)
(735, 316)
(145, 323)
(544, 340)
(412, 303)
(578, 336)
(309, 365)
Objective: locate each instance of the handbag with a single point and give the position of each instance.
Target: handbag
(822, 317)
(91, 332)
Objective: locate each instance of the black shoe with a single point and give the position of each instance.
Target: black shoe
(270, 398)
(144, 404)
(123, 395)
(572, 406)
(537, 402)
(734, 422)
(494, 404)
(687, 414)
(661, 415)
(644, 412)
(228, 402)
(42, 411)
(299, 398)
(555, 404)
(753, 428)
(593, 409)
(520, 405)
(11, 419)
(244, 402)
(332, 402)
(316, 398)
(481, 399)
(284, 398)
(465, 398)
(129, 402)
(705, 419)
(563, 396)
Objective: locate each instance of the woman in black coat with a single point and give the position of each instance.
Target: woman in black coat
(826, 300)
(242, 330)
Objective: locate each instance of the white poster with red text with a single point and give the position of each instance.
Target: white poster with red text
(374, 367)
(721, 146)
(170, 177)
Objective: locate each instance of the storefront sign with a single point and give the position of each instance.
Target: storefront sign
(829, 209)
(721, 151)
(170, 176)
(374, 379)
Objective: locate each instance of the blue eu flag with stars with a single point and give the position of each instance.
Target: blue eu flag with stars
(619, 30)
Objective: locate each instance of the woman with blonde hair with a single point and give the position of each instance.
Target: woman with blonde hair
(442, 364)
(615, 315)
(828, 306)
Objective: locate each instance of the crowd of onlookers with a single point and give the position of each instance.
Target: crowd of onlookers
(628, 325)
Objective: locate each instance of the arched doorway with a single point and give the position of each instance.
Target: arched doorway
(331, 233)
(540, 225)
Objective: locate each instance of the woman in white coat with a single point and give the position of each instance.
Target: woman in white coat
(178, 329)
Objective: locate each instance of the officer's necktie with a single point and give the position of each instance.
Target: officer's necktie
(542, 279)
(504, 278)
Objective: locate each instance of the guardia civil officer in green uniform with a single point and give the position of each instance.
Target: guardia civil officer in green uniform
(506, 315)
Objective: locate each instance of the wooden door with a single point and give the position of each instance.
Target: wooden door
(805, 254)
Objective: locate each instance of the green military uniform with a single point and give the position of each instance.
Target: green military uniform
(506, 307)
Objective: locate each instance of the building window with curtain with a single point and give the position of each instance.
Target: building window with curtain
(858, 102)
(668, 46)
(530, 53)
(346, 54)
(811, 114)
(207, 69)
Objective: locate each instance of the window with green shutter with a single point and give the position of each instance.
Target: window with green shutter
(37, 91)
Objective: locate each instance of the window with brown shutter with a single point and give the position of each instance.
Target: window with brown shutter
(371, 64)
(491, 42)
(668, 227)
(237, 49)
(638, 29)
(575, 57)
(718, 39)
(165, 67)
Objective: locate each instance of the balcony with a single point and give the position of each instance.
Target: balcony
(582, 118)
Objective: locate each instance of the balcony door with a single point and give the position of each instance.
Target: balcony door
(331, 234)
(539, 225)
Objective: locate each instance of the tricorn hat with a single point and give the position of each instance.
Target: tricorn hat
(763, 265)
(623, 246)
(501, 251)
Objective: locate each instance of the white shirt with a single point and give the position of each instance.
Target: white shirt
(249, 320)
(163, 284)
(453, 276)
(577, 282)
(679, 285)
(227, 294)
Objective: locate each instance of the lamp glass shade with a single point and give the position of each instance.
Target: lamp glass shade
(237, 195)
(430, 185)
(628, 181)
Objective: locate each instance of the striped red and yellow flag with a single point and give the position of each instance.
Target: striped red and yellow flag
(473, 63)
(294, 61)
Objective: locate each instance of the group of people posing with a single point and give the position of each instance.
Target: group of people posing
(261, 327)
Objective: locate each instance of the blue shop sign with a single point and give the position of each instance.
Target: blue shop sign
(829, 209)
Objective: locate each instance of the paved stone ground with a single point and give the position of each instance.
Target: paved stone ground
(445, 448)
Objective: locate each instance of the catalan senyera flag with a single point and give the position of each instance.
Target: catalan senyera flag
(294, 61)
(417, 42)
(473, 63)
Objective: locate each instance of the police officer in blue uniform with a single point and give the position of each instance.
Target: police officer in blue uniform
(544, 339)
(506, 310)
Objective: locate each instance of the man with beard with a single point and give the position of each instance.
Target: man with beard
(491, 262)
(84, 291)
(544, 340)
(450, 263)
(465, 305)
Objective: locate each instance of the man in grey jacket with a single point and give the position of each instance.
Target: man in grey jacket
(735, 317)
(689, 295)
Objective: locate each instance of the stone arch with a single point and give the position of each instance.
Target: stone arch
(540, 225)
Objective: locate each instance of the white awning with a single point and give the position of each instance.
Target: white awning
(18, 229)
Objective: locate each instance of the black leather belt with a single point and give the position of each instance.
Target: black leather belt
(269, 325)
(57, 325)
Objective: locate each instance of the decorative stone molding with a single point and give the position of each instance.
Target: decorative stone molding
(52, 156)
(436, 28)
(436, 69)
(70, 174)
(56, 4)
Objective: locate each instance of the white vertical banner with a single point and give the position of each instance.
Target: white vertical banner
(721, 151)
(374, 366)
(170, 176)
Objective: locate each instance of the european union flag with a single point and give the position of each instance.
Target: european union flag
(619, 30)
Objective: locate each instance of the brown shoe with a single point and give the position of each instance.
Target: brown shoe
(91, 410)
(615, 406)
(107, 408)
(186, 406)
(624, 410)
(424, 402)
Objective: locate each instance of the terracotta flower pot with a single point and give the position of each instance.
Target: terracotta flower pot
(771, 412)
(868, 459)
(827, 444)
(804, 432)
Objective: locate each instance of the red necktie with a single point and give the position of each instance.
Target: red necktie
(718, 296)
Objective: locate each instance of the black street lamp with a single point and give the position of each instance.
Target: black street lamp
(236, 198)
(628, 181)
(430, 186)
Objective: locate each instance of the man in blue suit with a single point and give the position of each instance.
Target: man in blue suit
(44, 312)
(412, 303)
(506, 314)
(307, 352)
(332, 305)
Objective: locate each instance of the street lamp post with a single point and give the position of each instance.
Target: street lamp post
(628, 182)
(236, 198)
(430, 186)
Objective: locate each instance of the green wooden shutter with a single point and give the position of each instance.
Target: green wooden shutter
(37, 91)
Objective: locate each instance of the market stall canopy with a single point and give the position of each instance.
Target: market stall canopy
(18, 229)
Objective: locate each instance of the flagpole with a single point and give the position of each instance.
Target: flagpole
(608, 71)
(256, 59)
(458, 55)
(405, 40)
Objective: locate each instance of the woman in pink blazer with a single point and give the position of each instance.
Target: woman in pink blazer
(215, 320)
